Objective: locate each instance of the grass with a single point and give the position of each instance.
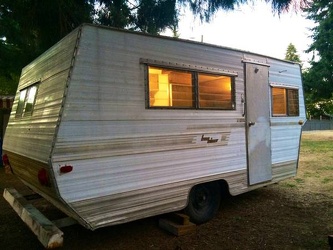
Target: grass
(299, 180)
(328, 168)
(326, 180)
(288, 184)
(314, 181)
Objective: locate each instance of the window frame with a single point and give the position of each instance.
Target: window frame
(21, 110)
(195, 87)
(287, 103)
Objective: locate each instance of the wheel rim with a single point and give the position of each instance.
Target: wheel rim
(201, 198)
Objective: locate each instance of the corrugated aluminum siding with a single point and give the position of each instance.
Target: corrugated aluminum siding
(119, 148)
(286, 131)
(32, 137)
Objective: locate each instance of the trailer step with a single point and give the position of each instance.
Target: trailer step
(47, 233)
(177, 224)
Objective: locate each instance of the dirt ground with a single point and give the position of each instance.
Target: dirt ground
(294, 214)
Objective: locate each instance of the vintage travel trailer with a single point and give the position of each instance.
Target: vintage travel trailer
(112, 126)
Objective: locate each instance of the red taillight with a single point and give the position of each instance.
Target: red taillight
(6, 164)
(43, 177)
(66, 169)
(5, 160)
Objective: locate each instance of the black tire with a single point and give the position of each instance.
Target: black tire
(204, 202)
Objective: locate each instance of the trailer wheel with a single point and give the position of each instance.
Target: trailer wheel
(204, 202)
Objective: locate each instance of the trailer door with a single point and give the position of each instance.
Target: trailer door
(258, 123)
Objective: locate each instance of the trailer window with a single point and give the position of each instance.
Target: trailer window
(170, 88)
(215, 91)
(26, 101)
(285, 102)
(173, 88)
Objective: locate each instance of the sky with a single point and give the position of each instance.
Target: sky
(252, 27)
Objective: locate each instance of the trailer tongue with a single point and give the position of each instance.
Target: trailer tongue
(45, 230)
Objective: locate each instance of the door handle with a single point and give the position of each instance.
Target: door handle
(251, 124)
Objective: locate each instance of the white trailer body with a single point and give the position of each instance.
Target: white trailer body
(113, 126)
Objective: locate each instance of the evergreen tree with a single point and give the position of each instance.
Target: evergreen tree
(291, 54)
(115, 13)
(318, 80)
(29, 27)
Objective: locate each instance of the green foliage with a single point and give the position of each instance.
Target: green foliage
(29, 27)
(318, 80)
(116, 13)
(154, 16)
(291, 54)
(8, 84)
(205, 9)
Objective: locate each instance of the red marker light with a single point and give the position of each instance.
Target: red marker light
(66, 169)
